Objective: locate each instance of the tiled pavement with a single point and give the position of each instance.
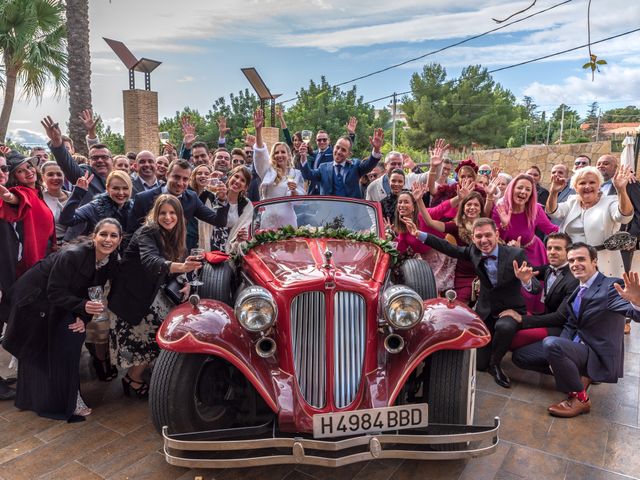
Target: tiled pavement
(119, 442)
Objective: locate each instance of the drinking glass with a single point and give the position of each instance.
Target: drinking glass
(164, 137)
(198, 254)
(213, 184)
(96, 294)
(306, 136)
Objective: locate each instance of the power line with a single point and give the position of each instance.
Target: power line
(544, 57)
(447, 47)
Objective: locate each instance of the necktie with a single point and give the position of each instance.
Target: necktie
(578, 300)
(339, 189)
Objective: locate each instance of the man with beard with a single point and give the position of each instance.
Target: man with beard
(502, 271)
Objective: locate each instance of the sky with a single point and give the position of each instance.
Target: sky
(203, 45)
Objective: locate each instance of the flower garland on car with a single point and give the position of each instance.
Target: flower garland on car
(288, 232)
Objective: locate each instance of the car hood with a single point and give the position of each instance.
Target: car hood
(288, 263)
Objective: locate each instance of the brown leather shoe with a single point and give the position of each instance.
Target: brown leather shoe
(570, 407)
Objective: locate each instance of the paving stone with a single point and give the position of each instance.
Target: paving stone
(621, 454)
(533, 464)
(71, 471)
(21, 447)
(525, 423)
(151, 467)
(435, 470)
(577, 471)
(564, 431)
(486, 468)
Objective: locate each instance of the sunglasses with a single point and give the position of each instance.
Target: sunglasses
(484, 172)
(322, 139)
(4, 168)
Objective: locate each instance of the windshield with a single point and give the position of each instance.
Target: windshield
(315, 212)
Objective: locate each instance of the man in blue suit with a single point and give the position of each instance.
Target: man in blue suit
(591, 342)
(177, 182)
(342, 176)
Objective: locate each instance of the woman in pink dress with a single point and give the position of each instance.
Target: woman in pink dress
(518, 215)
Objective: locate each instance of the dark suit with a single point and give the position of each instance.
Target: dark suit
(352, 170)
(191, 206)
(493, 299)
(138, 186)
(554, 297)
(318, 158)
(599, 353)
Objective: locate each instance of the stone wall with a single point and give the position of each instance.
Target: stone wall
(517, 160)
(141, 121)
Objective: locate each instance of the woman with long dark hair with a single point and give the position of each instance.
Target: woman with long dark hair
(155, 252)
(50, 305)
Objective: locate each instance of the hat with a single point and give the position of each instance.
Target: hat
(15, 159)
(467, 163)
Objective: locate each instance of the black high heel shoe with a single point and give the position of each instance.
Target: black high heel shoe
(105, 371)
(141, 392)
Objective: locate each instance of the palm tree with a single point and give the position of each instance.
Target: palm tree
(79, 66)
(32, 44)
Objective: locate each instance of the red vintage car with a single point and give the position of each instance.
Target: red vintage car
(316, 346)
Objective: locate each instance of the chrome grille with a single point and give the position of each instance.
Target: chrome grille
(349, 319)
(308, 335)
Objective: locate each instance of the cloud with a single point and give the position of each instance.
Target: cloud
(185, 79)
(27, 137)
(614, 83)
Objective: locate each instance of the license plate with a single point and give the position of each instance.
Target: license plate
(340, 424)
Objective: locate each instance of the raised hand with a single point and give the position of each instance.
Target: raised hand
(84, 181)
(351, 125)
(52, 130)
(4, 150)
(222, 126)
(418, 190)
(622, 177)
(631, 290)
(465, 188)
(169, 149)
(437, 152)
(504, 213)
(188, 131)
(407, 162)
(411, 227)
(258, 118)
(492, 188)
(389, 231)
(221, 192)
(303, 151)
(5, 194)
(89, 122)
(557, 183)
(524, 273)
(377, 140)
(250, 140)
(515, 243)
(495, 171)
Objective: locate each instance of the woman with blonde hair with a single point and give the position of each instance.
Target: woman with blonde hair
(198, 182)
(114, 203)
(591, 217)
(279, 178)
(155, 253)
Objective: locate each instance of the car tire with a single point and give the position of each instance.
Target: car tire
(452, 386)
(219, 281)
(179, 383)
(418, 276)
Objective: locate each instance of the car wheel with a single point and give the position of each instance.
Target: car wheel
(191, 392)
(218, 282)
(418, 276)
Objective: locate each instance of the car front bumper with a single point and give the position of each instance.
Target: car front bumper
(265, 445)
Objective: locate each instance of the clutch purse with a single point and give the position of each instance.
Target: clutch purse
(172, 289)
(621, 241)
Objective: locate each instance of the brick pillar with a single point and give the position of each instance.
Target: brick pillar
(270, 135)
(141, 121)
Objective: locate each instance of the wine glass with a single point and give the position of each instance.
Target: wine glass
(198, 255)
(164, 137)
(306, 136)
(96, 294)
(213, 184)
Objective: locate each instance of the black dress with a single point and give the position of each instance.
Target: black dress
(45, 300)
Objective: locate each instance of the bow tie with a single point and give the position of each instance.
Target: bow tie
(487, 257)
(555, 270)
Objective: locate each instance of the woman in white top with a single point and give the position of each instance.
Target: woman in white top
(55, 196)
(592, 217)
(279, 178)
(229, 238)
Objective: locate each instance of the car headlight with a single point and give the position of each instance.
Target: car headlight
(255, 309)
(402, 307)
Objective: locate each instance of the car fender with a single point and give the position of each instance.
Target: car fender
(211, 328)
(445, 325)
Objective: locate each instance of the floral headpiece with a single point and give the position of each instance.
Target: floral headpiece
(467, 163)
